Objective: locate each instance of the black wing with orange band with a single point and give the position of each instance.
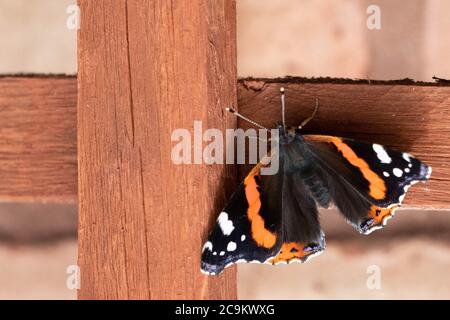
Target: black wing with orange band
(367, 181)
(247, 229)
(250, 227)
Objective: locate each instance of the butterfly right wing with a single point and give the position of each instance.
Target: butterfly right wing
(358, 211)
(381, 175)
(367, 182)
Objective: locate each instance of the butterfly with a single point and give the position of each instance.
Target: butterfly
(274, 218)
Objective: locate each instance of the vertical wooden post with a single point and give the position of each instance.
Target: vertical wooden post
(147, 68)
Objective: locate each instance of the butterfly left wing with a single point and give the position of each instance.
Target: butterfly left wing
(269, 219)
(248, 227)
(367, 182)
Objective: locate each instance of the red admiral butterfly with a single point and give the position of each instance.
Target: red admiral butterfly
(274, 218)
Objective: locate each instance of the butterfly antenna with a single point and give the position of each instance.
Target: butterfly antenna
(283, 108)
(237, 114)
(311, 116)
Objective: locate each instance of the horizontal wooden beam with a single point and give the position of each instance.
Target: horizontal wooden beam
(38, 127)
(38, 146)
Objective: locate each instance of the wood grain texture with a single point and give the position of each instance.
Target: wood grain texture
(145, 69)
(412, 118)
(38, 148)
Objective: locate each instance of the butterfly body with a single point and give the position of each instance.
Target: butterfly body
(297, 159)
(274, 218)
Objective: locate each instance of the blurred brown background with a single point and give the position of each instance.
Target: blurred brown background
(275, 38)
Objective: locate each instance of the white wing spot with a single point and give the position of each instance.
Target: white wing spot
(406, 156)
(215, 253)
(397, 172)
(243, 237)
(410, 165)
(207, 245)
(382, 154)
(231, 246)
(222, 253)
(386, 174)
(225, 224)
(407, 170)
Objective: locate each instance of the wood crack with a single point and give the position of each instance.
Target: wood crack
(130, 83)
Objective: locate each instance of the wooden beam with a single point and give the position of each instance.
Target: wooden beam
(403, 115)
(38, 147)
(38, 116)
(147, 68)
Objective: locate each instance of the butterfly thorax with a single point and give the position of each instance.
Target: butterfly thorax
(298, 163)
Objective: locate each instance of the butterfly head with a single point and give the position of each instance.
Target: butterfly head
(287, 134)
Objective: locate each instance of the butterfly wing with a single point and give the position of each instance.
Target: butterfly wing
(367, 182)
(269, 219)
(248, 228)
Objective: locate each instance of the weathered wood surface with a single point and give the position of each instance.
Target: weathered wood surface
(145, 69)
(412, 118)
(38, 146)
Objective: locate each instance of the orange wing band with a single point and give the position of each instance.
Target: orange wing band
(263, 237)
(377, 187)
